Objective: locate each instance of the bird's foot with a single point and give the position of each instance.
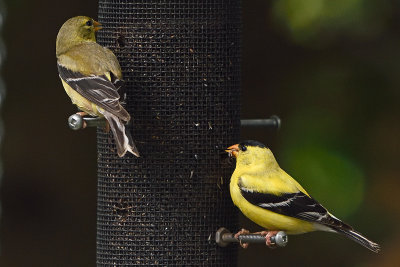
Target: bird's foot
(107, 127)
(268, 235)
(82, 114)
(242, 232)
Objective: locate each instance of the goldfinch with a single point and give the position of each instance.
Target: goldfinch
(91, 76)
(267, 195)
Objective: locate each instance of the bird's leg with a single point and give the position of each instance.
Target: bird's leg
(242, 232)
(268, 235)
(107, 127)
(82, 114)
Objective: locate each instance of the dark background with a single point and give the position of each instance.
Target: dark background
(329, 69)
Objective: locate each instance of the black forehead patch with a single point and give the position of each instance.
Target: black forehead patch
(252, 143)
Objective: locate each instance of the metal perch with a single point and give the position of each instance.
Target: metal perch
(223, 238)
(75, 122)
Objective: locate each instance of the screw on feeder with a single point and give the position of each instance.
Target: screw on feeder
(273, 122)
(223, 238)
(76, 122)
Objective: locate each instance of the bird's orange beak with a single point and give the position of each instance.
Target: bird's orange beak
(97, 26)
(233, 150)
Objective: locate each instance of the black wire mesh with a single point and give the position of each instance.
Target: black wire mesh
(181, 64)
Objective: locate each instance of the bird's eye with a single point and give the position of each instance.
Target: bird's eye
(243, 148)
(89, 23)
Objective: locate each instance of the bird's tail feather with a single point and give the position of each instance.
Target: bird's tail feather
(123, 138)
(359, 238)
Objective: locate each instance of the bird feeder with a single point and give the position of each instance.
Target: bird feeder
(181, 66)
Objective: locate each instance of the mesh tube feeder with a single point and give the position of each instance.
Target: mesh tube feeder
(181, 66)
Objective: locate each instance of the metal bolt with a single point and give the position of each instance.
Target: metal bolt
(273, 122)
(280, 239)
(75, 122)
(223, 238)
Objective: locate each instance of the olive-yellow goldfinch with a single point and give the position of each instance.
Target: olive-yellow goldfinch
(90, 75)
(267, 195)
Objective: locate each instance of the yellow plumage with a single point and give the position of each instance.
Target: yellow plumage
(270, 197)
(81, 102)
(260, 172)
(90, 74)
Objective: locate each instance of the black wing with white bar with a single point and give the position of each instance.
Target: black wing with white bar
(297, 205)
(97, 89)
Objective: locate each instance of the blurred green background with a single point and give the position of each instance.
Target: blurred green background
(329, 69)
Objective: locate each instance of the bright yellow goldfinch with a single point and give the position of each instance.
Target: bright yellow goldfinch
(267, 195)
(90, 75)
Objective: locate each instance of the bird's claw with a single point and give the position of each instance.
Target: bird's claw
(107, 127)
(268, 235)
(242, 232)
(82, 114)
